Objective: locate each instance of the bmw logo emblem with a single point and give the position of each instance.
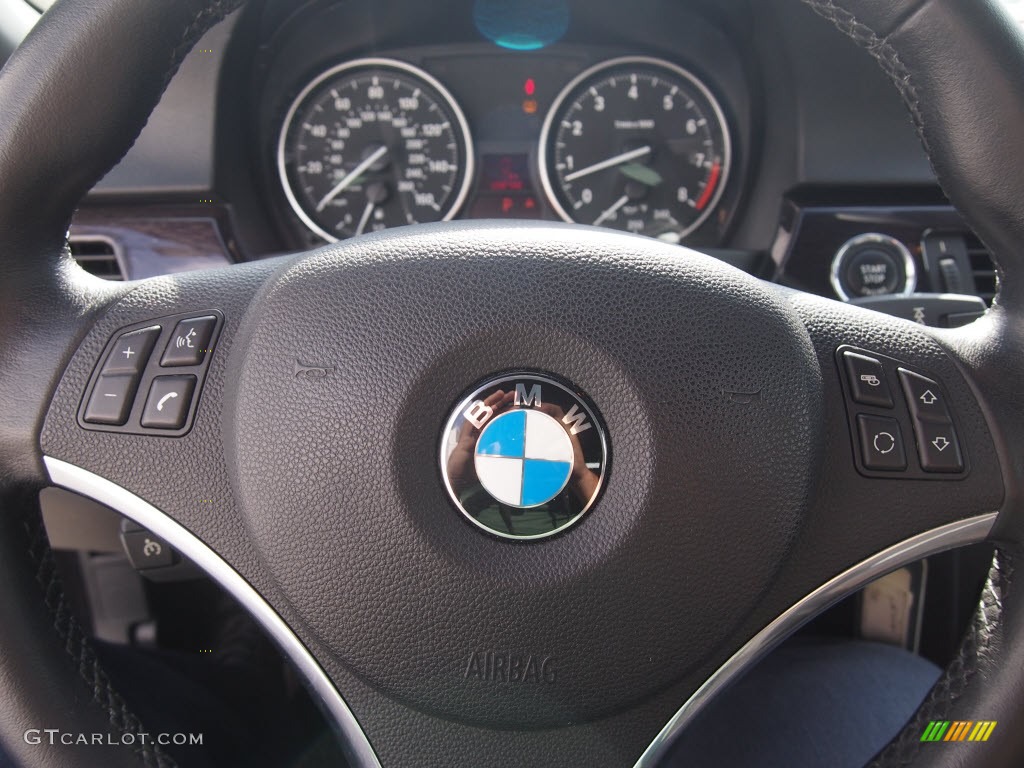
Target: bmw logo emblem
(524, 456)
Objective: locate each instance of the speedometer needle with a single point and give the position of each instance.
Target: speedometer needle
(611, 162)
(365, 218)
(355, 173)
(611, 211)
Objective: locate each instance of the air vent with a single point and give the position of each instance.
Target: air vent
(982, 267)
(97, 256)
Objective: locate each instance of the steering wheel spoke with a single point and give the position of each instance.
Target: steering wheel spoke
(293, 443)
(295, 426)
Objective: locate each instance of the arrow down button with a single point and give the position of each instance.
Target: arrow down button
(938, 447)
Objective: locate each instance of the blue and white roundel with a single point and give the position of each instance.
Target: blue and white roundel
(524, 458)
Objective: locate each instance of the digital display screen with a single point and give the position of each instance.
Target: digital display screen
(505, 173)
(505, 191)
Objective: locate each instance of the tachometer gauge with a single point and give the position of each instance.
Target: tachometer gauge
(371, 144)
(636, 144)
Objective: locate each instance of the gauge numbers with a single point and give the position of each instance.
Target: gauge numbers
(372, 144)
(636, 144)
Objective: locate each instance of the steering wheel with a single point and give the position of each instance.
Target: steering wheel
(736, 497)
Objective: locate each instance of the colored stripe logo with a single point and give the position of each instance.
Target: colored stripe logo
(958, 730)
(524, 458)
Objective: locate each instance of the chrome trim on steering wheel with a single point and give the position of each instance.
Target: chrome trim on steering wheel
(958, 534)
(360, 752)
(951, 536)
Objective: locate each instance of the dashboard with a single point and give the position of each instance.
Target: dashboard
(635, 143)
(502, 113)
(747, 130)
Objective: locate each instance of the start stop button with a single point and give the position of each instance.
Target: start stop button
(873, 265)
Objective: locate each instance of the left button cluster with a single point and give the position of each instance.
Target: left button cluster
(129, 366)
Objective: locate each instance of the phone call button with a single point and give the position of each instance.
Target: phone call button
(168, 402)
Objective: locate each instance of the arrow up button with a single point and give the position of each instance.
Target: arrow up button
(924, 396)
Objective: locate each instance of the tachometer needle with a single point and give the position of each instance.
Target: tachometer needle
(355, 173)
(365, 217)
(611, 211)
(611, 162)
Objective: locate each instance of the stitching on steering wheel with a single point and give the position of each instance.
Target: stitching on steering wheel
(987, 622)
(211, 13)
(78, 647)
(976, 646)
(76, 642)
(884, 53)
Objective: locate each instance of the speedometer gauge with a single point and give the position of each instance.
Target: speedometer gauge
(636, 144)
(371, 144)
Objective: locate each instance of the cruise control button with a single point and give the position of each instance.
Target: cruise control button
(111, 400)
(168, 402)
(867, 380)
(146, 551)
(131, 351)
(924, 397)
(881, 443)
(190, 342)
(938, 447)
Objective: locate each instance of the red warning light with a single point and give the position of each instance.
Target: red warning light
(529, 87)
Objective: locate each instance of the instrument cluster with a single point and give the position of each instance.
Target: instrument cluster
(634, 143)
(651, 139)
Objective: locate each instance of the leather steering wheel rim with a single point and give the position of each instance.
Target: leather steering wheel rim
(57, 89)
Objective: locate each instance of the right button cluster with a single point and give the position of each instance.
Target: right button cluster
(879, 418)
